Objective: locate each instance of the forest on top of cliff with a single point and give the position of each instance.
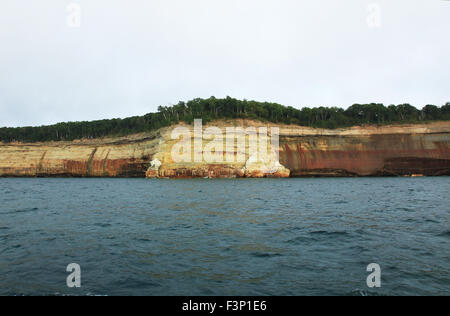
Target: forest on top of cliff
(229, 108)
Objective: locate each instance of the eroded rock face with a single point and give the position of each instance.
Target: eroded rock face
(153, 170)
(268, 168)
(119, 157)
(368, 155)
(359, 151)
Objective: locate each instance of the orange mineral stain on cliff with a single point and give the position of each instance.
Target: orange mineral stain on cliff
(358, 151)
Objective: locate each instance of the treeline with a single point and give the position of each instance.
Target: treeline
(228, 108)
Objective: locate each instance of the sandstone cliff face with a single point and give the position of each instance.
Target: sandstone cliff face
(358, 151)
(121, 157)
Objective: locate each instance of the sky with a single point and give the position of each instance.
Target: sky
(73, 60)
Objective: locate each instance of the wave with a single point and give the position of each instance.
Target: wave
(265, 255)
(25, 210)
(330, 233)
(445, 234)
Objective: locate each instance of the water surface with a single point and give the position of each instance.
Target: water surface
(225, 237)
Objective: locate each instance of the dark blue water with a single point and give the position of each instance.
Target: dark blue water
(225, 237)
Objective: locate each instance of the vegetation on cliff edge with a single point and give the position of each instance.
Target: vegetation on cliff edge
(229, 108)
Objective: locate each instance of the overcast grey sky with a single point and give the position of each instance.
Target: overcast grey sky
(128, 57)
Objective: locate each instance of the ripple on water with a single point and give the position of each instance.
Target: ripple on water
(445, 234)
(102, 225)
(405, 209)
(265, 255)
(358, 292)
(143, 239)
(299, 240)
(330, 234)
(25, 210)
(11, 248)
(319, 235)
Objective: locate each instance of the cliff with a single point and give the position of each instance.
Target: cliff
(357, 151)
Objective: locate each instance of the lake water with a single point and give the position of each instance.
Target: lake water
(225, 237)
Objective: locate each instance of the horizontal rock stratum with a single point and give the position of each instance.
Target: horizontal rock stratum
(396, 150)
